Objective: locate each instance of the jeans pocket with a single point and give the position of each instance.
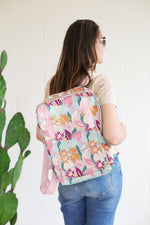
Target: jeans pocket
(68, 191)
(63, 189)
(100, 186)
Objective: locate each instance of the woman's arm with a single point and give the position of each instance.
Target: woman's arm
(39, 136)
(114, 132)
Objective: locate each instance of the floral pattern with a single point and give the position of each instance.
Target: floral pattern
(76, 146)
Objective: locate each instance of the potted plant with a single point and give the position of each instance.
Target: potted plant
(16, 133)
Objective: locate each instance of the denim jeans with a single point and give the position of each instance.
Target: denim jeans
(92, 202)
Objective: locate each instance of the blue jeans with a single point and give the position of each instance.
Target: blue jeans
(92, 202)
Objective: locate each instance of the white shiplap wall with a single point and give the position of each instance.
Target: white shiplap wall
(32, 32)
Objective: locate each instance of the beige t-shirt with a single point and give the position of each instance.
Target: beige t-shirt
(104, 90)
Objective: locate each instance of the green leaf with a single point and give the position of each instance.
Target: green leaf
(2, 90)
(14, 219)
(62, 166)
(88, 136)
(27, 153)
(11, 174)
(8, 207)
(79, 100)
(2, 122)
(69, 116)
(92, 157)
(24, 139)
(4, 161)
(17, 171)
(70, 181)
(74, 130)
(58, 144)
(5, 181)
(3, 60)
(84, 169)
(81, 117)
(7, 178)
(15, 127)
(79, 152)
(1, 191)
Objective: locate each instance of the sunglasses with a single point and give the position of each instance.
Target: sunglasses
(103, 40)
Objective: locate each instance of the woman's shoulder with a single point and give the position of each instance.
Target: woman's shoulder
(102, 77)
(100, 80)
(104, 89)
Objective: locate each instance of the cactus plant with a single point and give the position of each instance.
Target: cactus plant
(16, 132)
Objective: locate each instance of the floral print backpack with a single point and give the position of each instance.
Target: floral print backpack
(70, 123)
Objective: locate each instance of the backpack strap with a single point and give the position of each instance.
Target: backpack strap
(47, 186)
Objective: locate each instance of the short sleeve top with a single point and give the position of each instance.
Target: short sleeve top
(103, 88)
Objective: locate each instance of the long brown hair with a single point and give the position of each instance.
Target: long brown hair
(78, 56)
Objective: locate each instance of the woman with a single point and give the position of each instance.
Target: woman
(92, 202)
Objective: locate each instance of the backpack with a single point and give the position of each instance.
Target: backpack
(70, 123)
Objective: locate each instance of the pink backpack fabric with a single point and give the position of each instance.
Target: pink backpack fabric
(49, 186)
(71, 125)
